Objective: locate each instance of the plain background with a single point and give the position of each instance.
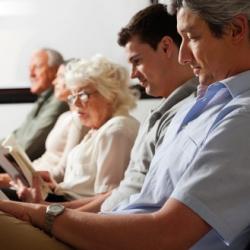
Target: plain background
(77, 28)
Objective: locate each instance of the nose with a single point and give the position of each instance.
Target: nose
(185, 55)
(134, 73)
(32, 72)
(33, 75)
(78, 102)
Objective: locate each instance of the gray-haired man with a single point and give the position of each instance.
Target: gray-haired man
(32, 133)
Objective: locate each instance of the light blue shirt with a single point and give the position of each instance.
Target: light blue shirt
(204, 162)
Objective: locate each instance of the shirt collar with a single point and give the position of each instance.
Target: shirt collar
(237, 84)
(45, 94)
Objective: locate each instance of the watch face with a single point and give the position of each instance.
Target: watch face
(55, 209)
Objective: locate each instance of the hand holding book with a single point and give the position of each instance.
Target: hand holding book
(29, 194)
(46, 176)
(34, 192)
(17, 164)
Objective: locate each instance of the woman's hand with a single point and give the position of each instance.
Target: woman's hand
(48, 178)
(29, 194)
(34, 193)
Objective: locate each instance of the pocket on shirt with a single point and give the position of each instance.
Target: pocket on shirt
(189, 149)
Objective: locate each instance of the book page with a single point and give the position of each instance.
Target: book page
(23, 162)
(9, 164)
(19, 159)
(19, 165)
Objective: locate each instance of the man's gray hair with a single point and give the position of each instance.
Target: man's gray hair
(54, 57)
(217, 13)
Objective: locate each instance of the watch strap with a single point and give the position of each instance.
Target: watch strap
(49, 219)
(52, 212)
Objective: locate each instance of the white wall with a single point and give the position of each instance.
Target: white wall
(12, 116)
(77, 28)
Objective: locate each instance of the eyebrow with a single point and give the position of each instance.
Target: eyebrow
(132, 58)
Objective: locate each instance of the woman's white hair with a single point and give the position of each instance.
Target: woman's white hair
(108, 78)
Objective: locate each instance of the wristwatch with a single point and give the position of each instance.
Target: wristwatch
(52, 212)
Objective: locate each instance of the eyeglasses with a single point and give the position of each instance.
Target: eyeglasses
(82, 95)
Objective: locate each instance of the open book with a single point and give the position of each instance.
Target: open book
(17, 164)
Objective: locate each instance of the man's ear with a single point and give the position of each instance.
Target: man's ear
(166, 45)
(239, 28)
(52, 72)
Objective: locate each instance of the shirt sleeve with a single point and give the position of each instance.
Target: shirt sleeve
(216, 185)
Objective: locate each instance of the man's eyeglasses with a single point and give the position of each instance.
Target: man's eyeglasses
(82, 95)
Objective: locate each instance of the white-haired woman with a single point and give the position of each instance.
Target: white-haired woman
(102, 100)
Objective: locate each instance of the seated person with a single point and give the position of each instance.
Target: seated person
(101, 99)
(32, 133)
(67, 133)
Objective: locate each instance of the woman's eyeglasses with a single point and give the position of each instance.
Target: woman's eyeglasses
(82, 95)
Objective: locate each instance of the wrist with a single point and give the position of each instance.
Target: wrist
(51, 213)
(37, 219)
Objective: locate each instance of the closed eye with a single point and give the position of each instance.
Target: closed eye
(135, 60)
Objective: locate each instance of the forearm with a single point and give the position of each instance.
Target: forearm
(91, 231)
(108, 232)
(89, 204)
(74, 204)
(94, 206)
(173, 227)
(32, 213)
